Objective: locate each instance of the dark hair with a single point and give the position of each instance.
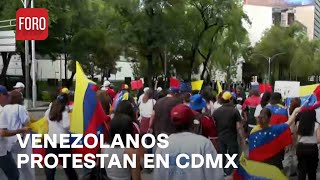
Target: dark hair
(268, 113)
(105, 101)
(207, 95)
(185, 97)
(275, 98)
(162, 94)
(187, 127)
(306, 123)
(294, 103)
(125, 107)
(120, 124)
(16, 97)
(57, 108)
(265, 99)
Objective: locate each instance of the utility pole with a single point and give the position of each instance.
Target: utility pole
(26, 55)
(33, 54)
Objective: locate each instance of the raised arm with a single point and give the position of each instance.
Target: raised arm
(293, 116)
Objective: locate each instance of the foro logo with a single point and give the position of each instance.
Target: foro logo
(32, 24)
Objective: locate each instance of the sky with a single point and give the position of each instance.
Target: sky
(280, 2)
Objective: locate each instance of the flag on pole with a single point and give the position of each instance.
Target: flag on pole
(88, 116)
(174, 83)
(196, 85)
(219, 87)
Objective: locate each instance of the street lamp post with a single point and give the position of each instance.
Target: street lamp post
(269, 59)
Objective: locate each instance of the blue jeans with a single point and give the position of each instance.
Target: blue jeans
(9, 167)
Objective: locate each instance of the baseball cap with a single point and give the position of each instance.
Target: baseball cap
(19, 85)
(174, 90)
(197, 102)
(3, 90)
(106, 84)
(64, 91)
(124, 86)
(182, 114)
(227, 96)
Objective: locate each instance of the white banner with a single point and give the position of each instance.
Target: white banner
(288, 89)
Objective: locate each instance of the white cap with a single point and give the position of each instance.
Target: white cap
(19, 85)
(159, 89)
(106, 84)
(145, 89)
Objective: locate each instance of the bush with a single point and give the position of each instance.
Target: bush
(46, 96)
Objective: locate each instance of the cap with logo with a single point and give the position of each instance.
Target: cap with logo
(182, 114)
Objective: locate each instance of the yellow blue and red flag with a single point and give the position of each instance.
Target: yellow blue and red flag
(88, 116)
(249, 169)
(268, 142)
(279, 114)
(307, 96)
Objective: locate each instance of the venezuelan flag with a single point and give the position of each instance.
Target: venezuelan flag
(256, 170)
(219, 87)
(307, 96)
(88, 116)
(266, 143)
(279, 114)
(123, 95)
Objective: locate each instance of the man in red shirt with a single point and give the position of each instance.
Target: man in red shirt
(107, 87)
(249, 107)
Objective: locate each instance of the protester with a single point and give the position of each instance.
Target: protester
(278, 111)
(265, 100)
(107, 87)
(240, 96)
(124, 95)
(185, 97)
(122, 125)
(7, 163)
(267, 143)
(17, 117)
(19, 87)
(210, 99)
(146, 108)
(142, 95)
(125, 107)
(218, 104)
(249, 107)
(157, 94)
(307, 148)
(105, 101)
(160, 119)
(59, 123)
(204, 123)
(186, 142)
(228, 121)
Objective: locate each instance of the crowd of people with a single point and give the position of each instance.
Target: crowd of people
(197, 123)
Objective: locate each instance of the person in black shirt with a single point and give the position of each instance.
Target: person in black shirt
(228, 122)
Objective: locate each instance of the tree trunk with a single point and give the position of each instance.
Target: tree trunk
(150, 73)
(6, 56)
(205, 64)
(70, 80)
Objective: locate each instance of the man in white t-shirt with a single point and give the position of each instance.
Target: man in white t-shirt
(7, 163)
(185, 142)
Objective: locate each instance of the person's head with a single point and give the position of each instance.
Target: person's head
(120, 124)
(197, 103)
(276, 98)
(294, 103)
(254, 93)
(265, 99)
(162, 94)
(226, 97)
(105, 101)
(105, 85)
(174, 91)
(219, 97)
(147, 95)
(208, 95)
(4, 96)
(182, 118)
(57, 107)
(307, 120)
(16, 97)
(125, 107)
(146, 89)
(185, 97)
(264, 118)
(19, 87)
(124, 87)
(239, 90)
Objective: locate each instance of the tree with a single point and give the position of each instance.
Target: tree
(300, 54)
